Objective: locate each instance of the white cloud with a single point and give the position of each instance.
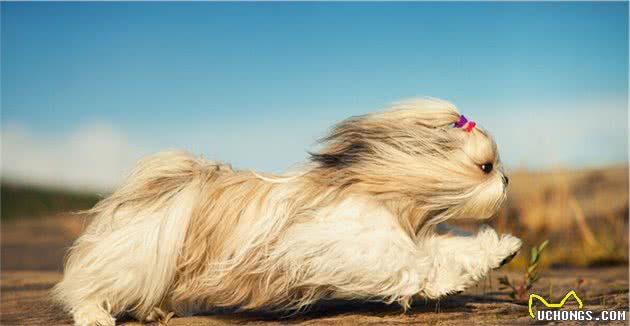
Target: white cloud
(93, 157)
(97, 156)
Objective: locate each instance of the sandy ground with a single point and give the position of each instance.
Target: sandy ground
(32, 254)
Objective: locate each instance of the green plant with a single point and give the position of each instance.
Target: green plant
(519, 290)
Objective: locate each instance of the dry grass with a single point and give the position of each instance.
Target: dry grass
(584, 214)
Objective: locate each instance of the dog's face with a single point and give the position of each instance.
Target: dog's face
(413, 152)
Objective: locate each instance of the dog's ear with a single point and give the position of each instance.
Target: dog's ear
(409, 127)
(347, 143)
(340, 155)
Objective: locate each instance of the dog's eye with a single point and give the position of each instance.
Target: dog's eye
(486, 168)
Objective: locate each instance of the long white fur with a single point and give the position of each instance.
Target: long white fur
(185, 234)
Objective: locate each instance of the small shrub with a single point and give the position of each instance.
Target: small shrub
(519, 290)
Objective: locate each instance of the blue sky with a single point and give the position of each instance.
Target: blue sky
(93, 86)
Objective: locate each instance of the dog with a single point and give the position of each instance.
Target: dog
(358, 221)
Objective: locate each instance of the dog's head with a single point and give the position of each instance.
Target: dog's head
(421, 151)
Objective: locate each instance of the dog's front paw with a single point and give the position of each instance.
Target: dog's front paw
(508, 246)
(498, 250)
(507, 259)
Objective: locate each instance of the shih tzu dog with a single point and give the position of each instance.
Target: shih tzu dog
(186, 235)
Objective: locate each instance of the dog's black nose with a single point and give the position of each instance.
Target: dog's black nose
(506, 180)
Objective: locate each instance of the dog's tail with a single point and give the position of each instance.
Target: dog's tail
(127, 257)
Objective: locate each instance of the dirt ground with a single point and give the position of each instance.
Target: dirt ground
(32, 255)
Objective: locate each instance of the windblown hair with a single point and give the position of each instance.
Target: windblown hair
(409, 157)
(188, 234)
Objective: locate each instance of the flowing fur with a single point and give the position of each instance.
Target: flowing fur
(186, 234)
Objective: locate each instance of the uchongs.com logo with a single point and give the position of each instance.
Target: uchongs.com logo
(570, 315)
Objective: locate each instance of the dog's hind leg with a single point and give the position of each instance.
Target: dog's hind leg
(454, 263)
(126, 259)
(92, 313)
